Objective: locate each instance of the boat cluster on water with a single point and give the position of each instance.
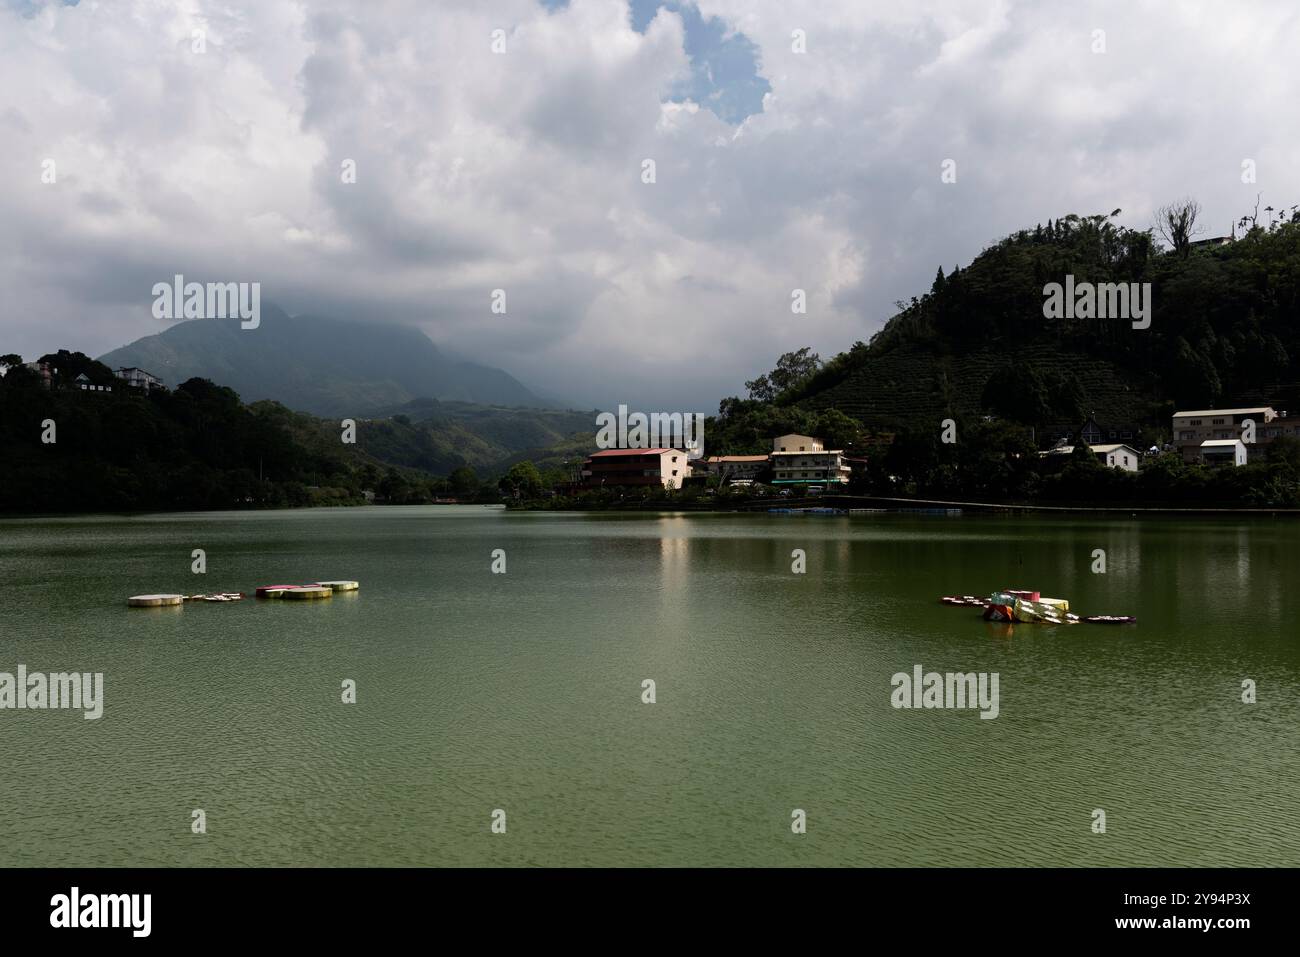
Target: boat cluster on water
(309, 592)
(1019, 605)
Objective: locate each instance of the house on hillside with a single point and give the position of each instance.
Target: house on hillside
(1283, 425)
(1092, 432)
(1193, 428)
(728, 468)
(138, 378)
(1223, 452)
(83, 384)
(1114, 456)
(632, 467)
(804, 460)
(45, 371)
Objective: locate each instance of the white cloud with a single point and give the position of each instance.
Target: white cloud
(521, 170)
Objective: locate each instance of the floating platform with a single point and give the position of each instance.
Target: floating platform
(154, 601)
(273, 591)
(307, 593)
(298, 592)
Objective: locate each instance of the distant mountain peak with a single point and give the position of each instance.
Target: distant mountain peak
(320, 364)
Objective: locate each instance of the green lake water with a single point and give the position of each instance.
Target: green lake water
(523, 691)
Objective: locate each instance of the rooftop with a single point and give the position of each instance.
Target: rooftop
(1260, 408)
(811, 452)
(1095, 449)
(596, 455)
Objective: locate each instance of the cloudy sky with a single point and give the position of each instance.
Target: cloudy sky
(522, 170)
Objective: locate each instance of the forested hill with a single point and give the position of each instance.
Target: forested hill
(198, 446)
(110, 447)
(1225, 329)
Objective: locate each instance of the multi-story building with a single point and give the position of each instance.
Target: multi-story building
(804, 460)
(1194, 428)
(733, 467)
(45, 371)
(1283, 425)
(630, 467)
(139, 379)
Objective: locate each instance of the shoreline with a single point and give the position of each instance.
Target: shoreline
(993, 507)
(879, 505)
(906, 505)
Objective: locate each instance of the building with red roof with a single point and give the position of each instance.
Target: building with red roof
(613, 468)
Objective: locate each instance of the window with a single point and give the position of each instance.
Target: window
(1217, 422)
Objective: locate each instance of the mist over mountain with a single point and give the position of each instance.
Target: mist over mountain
(326, 366)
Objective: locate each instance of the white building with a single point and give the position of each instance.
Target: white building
(1193, 428)
(138, 378)
(1223, 452)
(1121, 457)
(804, 460)
(1114, 456)
(622, 467)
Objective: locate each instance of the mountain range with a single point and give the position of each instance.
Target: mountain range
(325, 366)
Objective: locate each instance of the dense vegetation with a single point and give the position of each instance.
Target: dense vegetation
(1225, 329)
(197, 446)
(439, 437)
(998, 462)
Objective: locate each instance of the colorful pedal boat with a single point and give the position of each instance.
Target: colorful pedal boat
(1005, 606)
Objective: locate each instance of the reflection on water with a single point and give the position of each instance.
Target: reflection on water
(523, 691)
